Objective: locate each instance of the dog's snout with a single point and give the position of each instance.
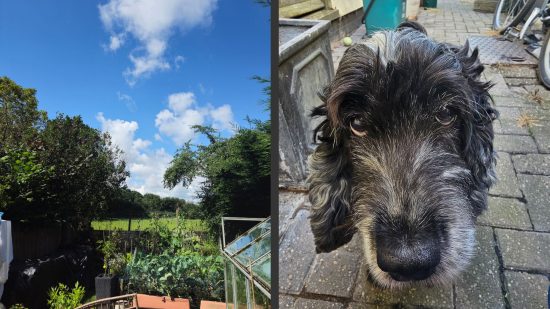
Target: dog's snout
(408, 258)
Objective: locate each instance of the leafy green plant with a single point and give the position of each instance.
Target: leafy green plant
(188, 275)
(61, 297)
(18, 306)
(114, 260)
(22, 180)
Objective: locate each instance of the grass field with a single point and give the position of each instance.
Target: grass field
(143, 224)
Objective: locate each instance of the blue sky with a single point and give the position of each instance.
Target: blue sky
(144, 70)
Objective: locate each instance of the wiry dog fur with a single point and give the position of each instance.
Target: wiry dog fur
(409, 173)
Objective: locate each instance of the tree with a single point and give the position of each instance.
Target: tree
(88, 168)
(57, 170)
(23, 181)
(20, 119)
(237, 170)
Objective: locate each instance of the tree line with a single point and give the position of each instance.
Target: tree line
(62, 170)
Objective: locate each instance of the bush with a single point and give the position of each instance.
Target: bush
(60, 297)
(188, 275)
(178, 263)
(114, 259)
(23, 183)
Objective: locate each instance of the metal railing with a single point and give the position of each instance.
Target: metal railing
(129, 301)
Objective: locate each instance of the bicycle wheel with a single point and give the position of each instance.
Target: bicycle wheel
(510, 13)
(544, 62)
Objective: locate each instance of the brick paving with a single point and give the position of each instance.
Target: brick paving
(511, 268)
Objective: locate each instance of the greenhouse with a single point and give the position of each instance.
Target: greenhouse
(248, 266)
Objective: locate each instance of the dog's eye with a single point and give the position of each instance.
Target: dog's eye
(357, 125)
(445, 116)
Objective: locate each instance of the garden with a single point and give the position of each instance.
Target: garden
(79, 234)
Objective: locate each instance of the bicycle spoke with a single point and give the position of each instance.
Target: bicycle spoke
(512, 12)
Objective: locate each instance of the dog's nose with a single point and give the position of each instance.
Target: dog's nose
(408, 259)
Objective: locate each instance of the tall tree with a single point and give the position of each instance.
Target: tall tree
(20, 119)
(52, 170)
(88, 168)
(236, 172)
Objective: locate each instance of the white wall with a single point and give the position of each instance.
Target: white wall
(344, 6)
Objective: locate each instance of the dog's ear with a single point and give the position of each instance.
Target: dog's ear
(412, 24)
(330, 168)
(478, 129)
(330, 190)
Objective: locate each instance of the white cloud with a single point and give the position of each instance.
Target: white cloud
(183, 112)
(178, 60)
(201, 88)
(151, 23)
(146, 165)
(222, 117)
(128, 101)
(181, 101)
(116, 41)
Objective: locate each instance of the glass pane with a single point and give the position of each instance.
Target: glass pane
(241, 290)
(249, 236)
(229, 284)
(255, 251)
(261, 301)
(262, 269)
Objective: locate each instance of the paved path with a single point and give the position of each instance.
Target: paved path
(512, 266)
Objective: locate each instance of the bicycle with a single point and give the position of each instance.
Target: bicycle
(508, 16)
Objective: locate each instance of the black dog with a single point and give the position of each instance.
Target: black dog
(406, 156)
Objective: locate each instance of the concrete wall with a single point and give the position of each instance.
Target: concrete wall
(344, 6)
(305, 67)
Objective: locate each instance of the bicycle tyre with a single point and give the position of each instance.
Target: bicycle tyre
(522, 13)
(544, 62)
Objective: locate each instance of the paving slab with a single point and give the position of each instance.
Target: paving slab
(499, 84)
(334, 273)
(508, 118)
(520, 92)
(517, 71)
(537, 193)
(522, 250)
(289, 201)
(509, 112)
(303, 303)
(296, 254)
(541, 133)
(497, 128)
(367, 292)
(540, 91)
(479, 285)
(368, 306)
(507, 183)
(510, 101)
(536, 164)
(521, 81)
(527, 290)
(511, 126)
(507, 213)
(514, 144)
(286, 301)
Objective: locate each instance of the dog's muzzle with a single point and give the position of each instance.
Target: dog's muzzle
(407, 256)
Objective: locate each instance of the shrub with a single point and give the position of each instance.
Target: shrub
(60, 297)
(188, 275)
(114, 259)
(179, 263)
